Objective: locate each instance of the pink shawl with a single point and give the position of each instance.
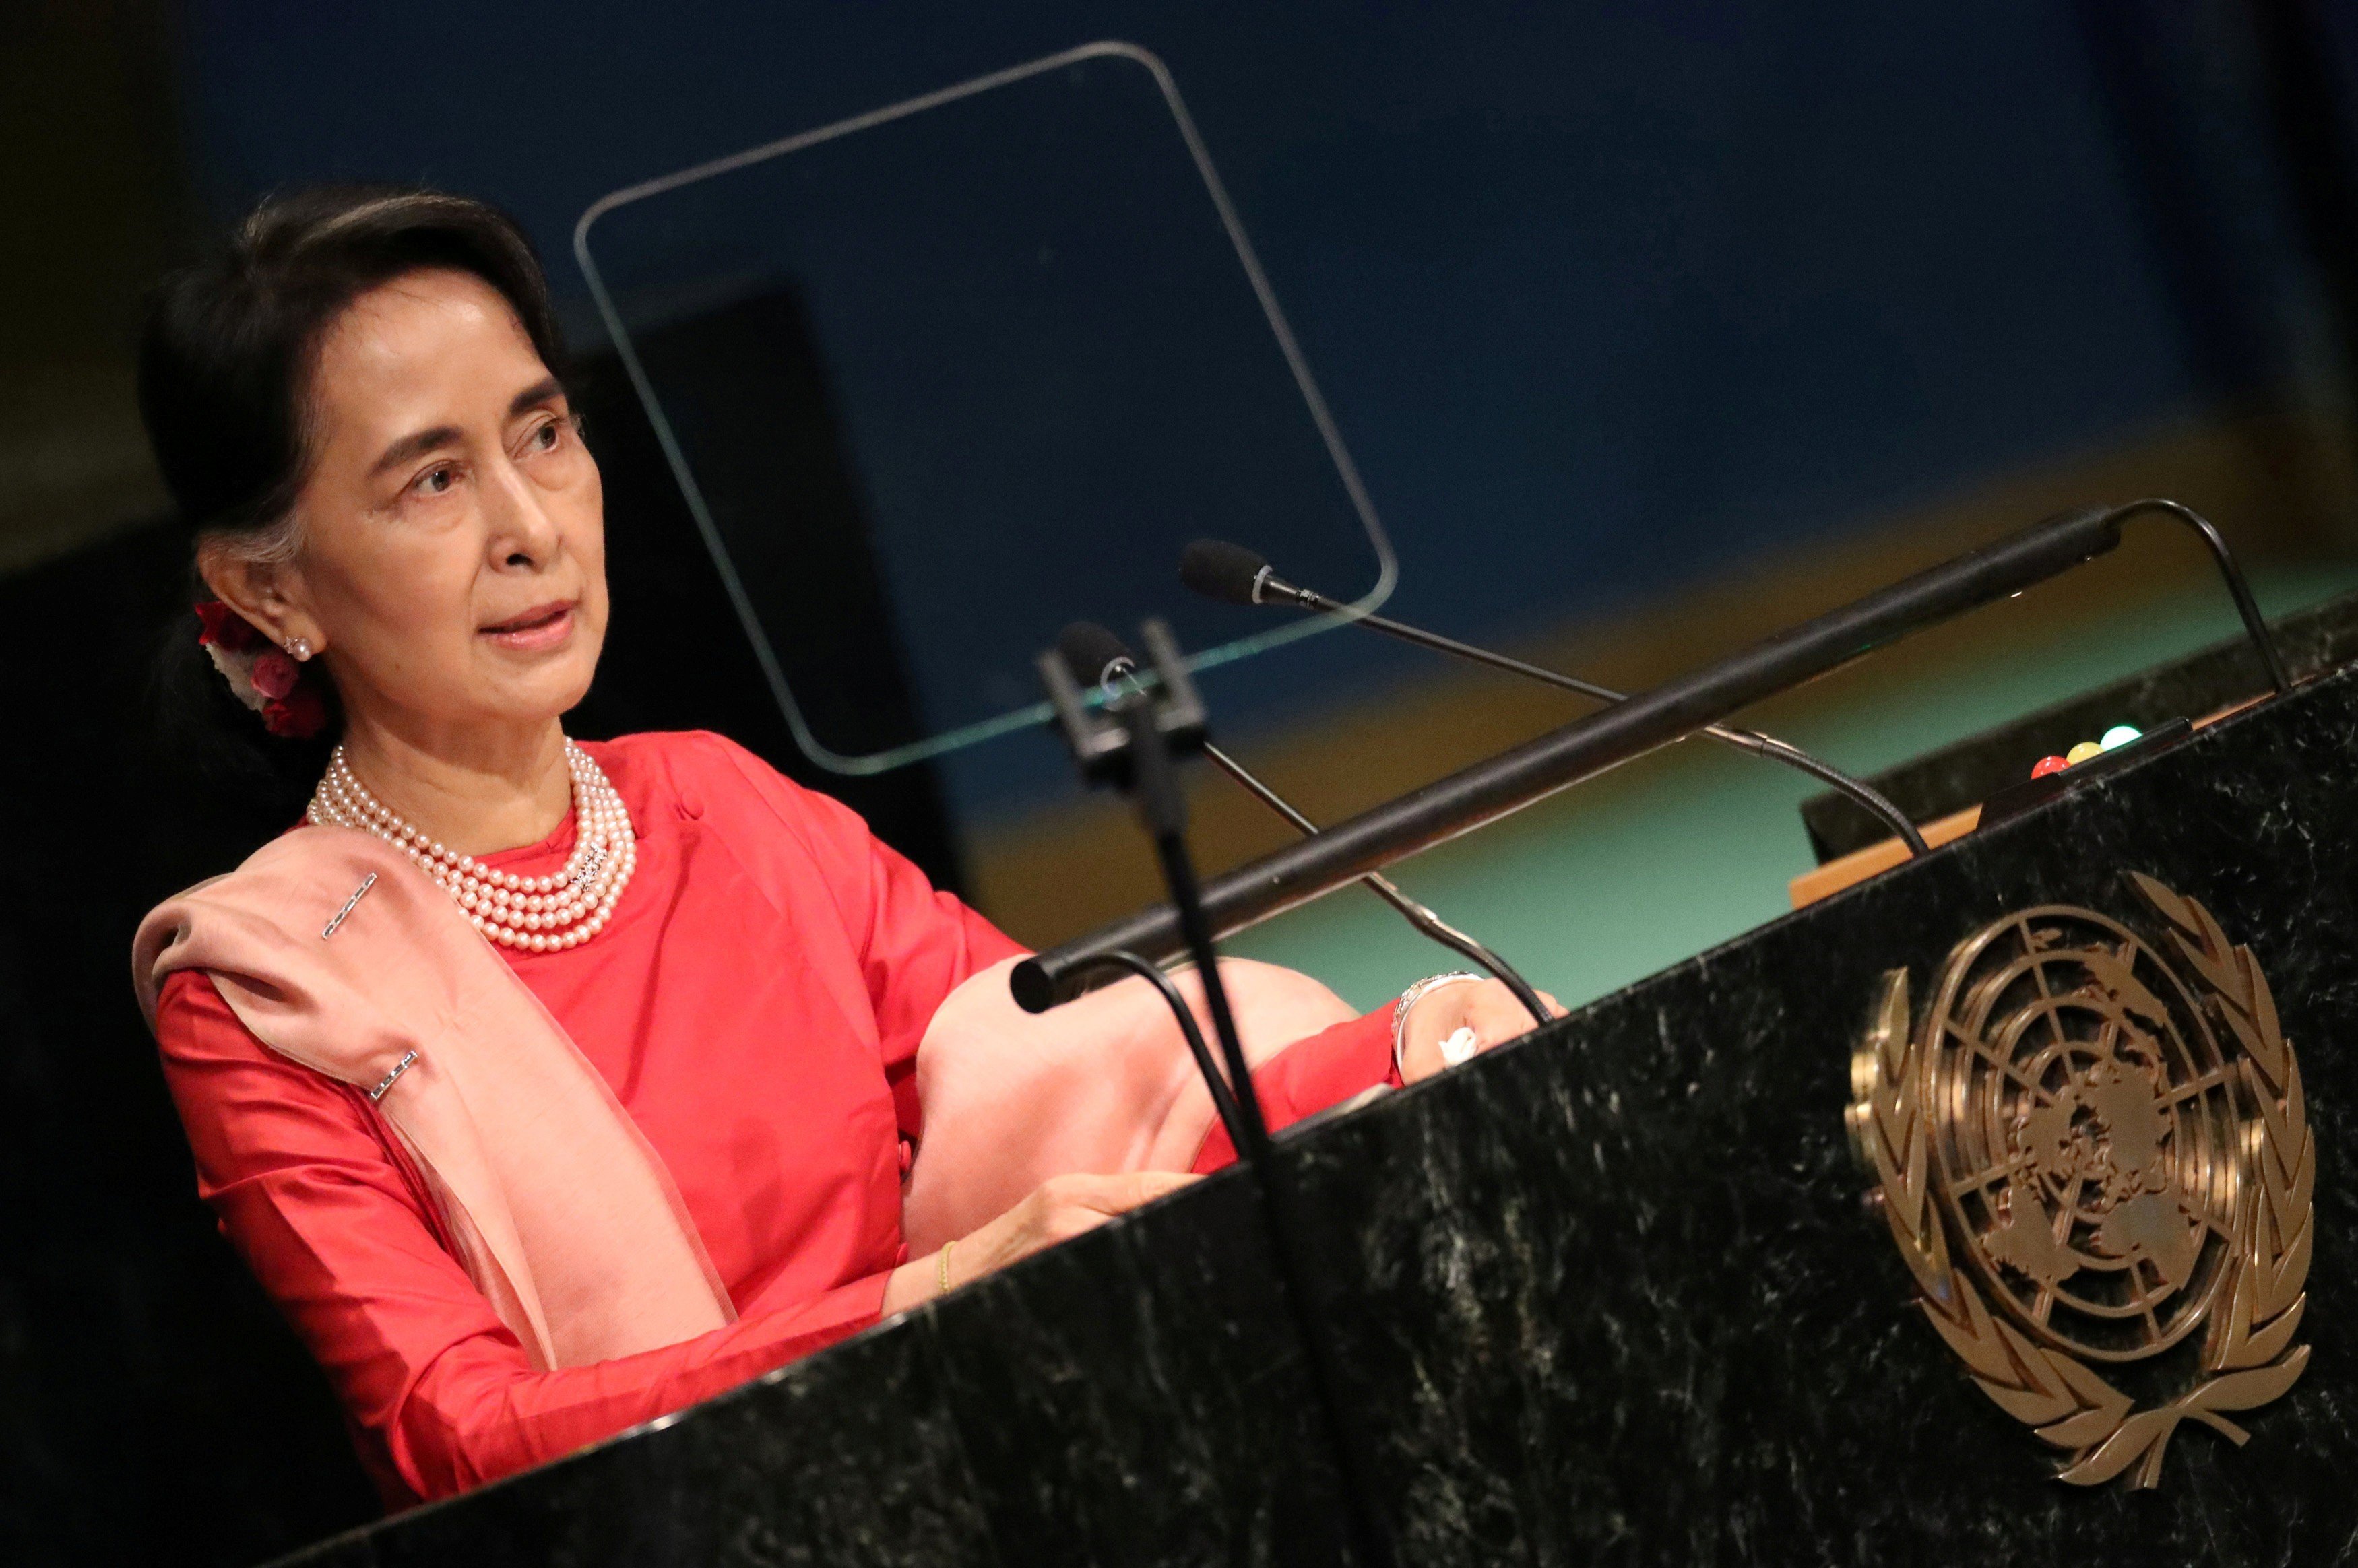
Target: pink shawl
(561, 1212)
(1103, 1082)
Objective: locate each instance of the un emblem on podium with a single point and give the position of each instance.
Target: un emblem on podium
(2098, 1165)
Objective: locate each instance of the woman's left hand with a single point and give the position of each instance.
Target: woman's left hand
(1486, 1007)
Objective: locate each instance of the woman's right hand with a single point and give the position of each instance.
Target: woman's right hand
(1057, 1210)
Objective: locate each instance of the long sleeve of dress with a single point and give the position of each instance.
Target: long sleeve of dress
(315, 1193)
(917, 943)
(1310, 1074)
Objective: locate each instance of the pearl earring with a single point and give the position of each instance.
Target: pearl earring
(298, 649)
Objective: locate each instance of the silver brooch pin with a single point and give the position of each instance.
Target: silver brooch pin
(330, 929)
(398, 1068)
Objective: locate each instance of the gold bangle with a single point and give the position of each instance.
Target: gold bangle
(942, 1269)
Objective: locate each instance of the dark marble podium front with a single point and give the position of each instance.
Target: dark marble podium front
(1606, 1295)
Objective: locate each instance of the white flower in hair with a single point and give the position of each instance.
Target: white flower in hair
(260, 676)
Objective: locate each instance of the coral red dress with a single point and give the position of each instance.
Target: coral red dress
(755, 1004)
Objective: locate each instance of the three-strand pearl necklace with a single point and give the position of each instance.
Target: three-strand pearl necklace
(540, 915)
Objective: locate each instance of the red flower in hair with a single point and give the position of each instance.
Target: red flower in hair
(274, 673)
(227, 630)
(260, 677)
(297, 716)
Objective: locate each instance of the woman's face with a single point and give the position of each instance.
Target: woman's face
(452, 570)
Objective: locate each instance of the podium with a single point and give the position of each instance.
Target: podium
(1624, 1291)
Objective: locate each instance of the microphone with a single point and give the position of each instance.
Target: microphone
(1589, 745)
(1233, 574)
(1096, 657)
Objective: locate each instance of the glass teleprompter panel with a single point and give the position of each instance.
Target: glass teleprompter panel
(940, 378)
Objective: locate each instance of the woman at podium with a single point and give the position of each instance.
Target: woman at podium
(552, 1085)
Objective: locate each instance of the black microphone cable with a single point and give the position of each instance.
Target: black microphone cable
(1141, 762)
(1236, 575)
(1096, 657)
(1224, 1100)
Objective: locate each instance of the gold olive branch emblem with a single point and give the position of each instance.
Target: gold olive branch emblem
(2248, 1357)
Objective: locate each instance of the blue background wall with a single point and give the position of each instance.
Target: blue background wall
(1606, 297)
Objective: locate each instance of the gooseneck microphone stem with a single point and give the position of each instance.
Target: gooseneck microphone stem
(1259, 790)
(1588, 746)
(1162, 809)
(1094, 656)
(1425, 921)
(1267, 588)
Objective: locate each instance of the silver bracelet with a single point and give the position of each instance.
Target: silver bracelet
(1409, 998)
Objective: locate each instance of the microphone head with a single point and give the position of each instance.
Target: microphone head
(1218, 570)
(1093, 654)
